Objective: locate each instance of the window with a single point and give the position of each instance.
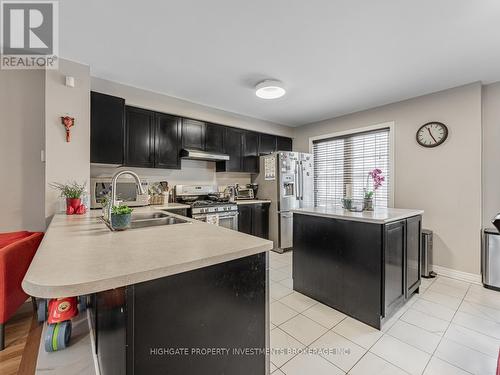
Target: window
(347, 159)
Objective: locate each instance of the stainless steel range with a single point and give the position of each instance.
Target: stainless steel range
(206, 205)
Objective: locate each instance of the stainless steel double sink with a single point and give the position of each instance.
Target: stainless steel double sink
(143, 220)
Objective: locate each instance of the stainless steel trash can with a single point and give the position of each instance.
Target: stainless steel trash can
(426, 255)
(490, 258)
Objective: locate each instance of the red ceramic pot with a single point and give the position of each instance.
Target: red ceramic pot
(73, 203)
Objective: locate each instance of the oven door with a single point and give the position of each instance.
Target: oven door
(227, 220)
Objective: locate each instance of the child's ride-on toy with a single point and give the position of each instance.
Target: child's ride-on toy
(58, 313)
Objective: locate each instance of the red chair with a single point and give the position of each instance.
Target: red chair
(16, 252)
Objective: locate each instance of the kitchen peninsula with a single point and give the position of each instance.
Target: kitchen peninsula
(191, 285)
(365, 264)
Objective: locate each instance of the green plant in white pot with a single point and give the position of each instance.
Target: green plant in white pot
(121, 217)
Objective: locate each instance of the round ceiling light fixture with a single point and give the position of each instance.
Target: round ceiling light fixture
(270, 89)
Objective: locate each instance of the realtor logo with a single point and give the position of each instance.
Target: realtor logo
(29, 34)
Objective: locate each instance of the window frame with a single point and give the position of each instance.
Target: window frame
(392, 137)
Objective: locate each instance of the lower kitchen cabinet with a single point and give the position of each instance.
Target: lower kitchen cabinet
(394, 251)
(253, 219)
(220, 306)
(413, 253)
(365, 270)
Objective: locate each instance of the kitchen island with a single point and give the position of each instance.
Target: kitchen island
(365, 264)
(163, 297)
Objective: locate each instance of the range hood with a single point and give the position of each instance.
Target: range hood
(187, 153)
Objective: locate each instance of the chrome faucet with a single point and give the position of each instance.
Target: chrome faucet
(112, 201)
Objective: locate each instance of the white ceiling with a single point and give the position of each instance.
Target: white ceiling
(334, 56)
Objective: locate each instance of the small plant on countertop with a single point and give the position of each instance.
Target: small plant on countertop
(121, 210)
(73, 192)
(121, 217)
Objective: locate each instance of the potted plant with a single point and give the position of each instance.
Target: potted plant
(73, 192)
(120, 217)
(377, 179)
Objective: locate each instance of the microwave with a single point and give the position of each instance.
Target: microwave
(126, 191)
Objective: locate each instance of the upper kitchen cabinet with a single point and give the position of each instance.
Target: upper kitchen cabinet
(250, 152)
(167, 141)
(139, 137)
(193, 134)
(283, 144)
(107, 120)
(214, 138)
(233, 140)
(267, 144)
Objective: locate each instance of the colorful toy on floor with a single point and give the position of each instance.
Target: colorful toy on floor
(58, 314)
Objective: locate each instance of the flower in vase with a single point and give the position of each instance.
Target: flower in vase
(377, 180)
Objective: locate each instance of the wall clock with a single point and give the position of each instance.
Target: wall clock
(432, 134)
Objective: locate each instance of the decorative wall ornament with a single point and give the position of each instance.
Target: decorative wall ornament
(68, 123)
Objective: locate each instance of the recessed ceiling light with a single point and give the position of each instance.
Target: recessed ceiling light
(270, 89)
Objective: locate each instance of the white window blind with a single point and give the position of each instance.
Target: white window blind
(346, 160)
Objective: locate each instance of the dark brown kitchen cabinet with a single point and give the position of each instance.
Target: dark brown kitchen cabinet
(193, 134)
(214, 138)
(167, 141)
(253, 219)
(107, 121)
(267, 144)
(245, 218)
(413, 245)
(233, 141)
(283, 144)
(243, 150)
(250, 152)
(394, 253)
(139, 137)
(366, 277)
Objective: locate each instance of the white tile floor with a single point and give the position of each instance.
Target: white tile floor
(450, 328)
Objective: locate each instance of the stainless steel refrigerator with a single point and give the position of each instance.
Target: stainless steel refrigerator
(285, 178)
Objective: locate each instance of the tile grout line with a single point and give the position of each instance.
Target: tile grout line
(308, 346)
(446, 330)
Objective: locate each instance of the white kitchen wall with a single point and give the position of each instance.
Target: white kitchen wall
(445, 181)
(491, 152)
(193, 172)
(22, 171)
(66, 162)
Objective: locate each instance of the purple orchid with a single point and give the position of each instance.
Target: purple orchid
(377, 180)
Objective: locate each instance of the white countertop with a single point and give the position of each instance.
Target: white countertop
(170, 206)
(80, 255)
(378, 216)
(252, 201)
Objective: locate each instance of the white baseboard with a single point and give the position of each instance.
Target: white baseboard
(458, 275)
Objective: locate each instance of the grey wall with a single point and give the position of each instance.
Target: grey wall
(445, 181)
(66, 162)
(21, 142)
(491, 152)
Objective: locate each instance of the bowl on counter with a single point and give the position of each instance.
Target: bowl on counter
(353, 204)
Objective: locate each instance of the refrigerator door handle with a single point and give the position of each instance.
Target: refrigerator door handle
(301, 181)
(296, 183)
